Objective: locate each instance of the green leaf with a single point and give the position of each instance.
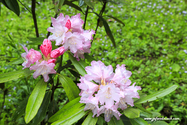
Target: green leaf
(139, 106)
(20, 110)
(176, 67)
(61, 2)
(155, 114)
(17, 61)
(69, 86)
(5, 77)
(90, 120)
(88, 57)
(107, 29)
(156, 95)
(118, 20)
(43, 109)
(13, 5)
(35, 100)
(100, 120)
(72, 117)
(79, 65)
(114, 121)
(126, 121)
(67, 109)
(36, 40)
(89, 3)
(81, 3)
(131, 112)
(53, 108)
(138, 121)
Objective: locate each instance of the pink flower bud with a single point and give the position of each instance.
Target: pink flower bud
(57, 52)
(46, 47)
(51, 61)
(68, 24)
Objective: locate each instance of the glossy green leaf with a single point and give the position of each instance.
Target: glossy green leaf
(156, 95)
(5, 77)
(114, 121)
(43, 109)
(69, 86)
(67, 109)
(35, 100)
(138, 121)
(118, 20)
(61, 2)
(155, 114)
(72, 117)
(36, 40)
(89, 3)
(126, 121)
(90, 120)
(81, 3)
(53, 108)
(17, 61)
(131, 112)
(100, 120)
(139, 106)
(79, 65)
(20, 110)
(72, 5)
(107, 29)
(88, 57)
(13, 5)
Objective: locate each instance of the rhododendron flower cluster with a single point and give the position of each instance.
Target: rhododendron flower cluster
(104, 91)
(42, 66)
(68, 32)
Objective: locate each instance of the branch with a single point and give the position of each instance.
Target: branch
(86, 14)
(34, 17)
(98, 20)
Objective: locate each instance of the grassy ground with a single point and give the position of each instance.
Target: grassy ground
(152, 44)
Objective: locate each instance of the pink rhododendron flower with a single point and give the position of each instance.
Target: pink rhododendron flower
(109, 112)
(46, 47)
(88, 34)
(76, 23)
(33, 56)
(88, 86)
(110, 92)
(73, 41)
(44, 68)
(92, 104)
(121, 76)
(26, 63)
(58, 33)
(30, 57)
(68, 32)
(98, 71)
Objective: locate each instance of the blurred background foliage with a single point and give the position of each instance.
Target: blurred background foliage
(151, 41)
